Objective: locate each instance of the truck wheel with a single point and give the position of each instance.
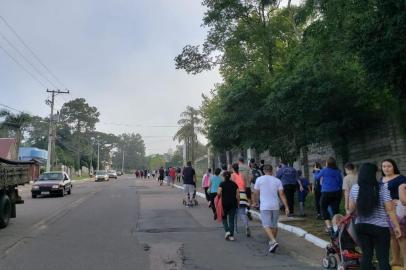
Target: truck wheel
(5, 210)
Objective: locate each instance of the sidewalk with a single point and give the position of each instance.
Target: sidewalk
(189, 237)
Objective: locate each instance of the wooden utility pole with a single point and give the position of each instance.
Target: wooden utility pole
(50, 131)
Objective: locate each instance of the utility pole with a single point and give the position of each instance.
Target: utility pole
(50, 132)
(98, 156)
(122, 164)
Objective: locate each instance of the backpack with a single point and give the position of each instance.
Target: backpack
(255, 173)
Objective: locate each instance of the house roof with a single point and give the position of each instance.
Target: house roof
(5, 145)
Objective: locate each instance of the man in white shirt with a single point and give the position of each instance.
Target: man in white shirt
(267, 188)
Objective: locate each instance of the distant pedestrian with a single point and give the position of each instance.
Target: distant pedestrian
(393, 179)
(172, 176)
(178, 174)
(214, 184)
(206, 184)
(372, 202)
(230, 197)
(261, 166)
(331, 182)
(302, 194)
(268, 189)
(350, 179)
(317, 189)
(238, 178)
(288, 176)
(161, 175)
(255, 173)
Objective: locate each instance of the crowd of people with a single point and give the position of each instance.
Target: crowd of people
(374, 197)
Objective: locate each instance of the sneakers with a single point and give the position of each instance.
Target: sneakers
(248, 232)
(231, 238)
(227, 236)
(273, 246)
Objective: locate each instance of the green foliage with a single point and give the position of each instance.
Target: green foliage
(134, 152)
(321, 71)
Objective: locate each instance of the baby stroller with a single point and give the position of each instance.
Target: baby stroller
(341, 253)
(193, 201)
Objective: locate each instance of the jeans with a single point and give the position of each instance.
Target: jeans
(212, 205)
(372, 237)
(330, 199)
(317, 197)
(228, 221)
(290, 196)
(206, 193)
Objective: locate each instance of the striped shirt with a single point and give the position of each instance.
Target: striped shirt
(379, 217)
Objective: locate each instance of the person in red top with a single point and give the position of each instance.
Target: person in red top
(172, 176)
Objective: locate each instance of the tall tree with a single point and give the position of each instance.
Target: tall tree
(190, 126)
(81, 119)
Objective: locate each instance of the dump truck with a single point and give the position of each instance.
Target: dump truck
(13, 174)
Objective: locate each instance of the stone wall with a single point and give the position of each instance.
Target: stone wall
(372, 146)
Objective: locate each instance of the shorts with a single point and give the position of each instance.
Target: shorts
(269, 218)
(188, 189)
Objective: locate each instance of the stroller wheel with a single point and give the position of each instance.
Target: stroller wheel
(329, 262)
(341, 266)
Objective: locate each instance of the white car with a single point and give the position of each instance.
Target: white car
(101, 176)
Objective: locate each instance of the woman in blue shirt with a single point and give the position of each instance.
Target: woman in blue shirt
(214, 184)
(331, 183)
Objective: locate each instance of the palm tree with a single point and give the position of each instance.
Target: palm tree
(190, 126)
(16, 123)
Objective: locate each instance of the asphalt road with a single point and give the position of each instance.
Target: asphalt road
(132, 224)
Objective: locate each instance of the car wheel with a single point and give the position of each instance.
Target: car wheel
(70, 191)
(5, 210)
(33, 196)
(62, 192)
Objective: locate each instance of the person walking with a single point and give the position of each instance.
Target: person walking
(189, 182)
(302, 194)
(288, 175)
(238, 178)
(331, 184)
(268, 189)
(161, 175)
(206, 184)
(172, 175)
(349, 180)
(230, 199)
(372, 203)
(393, 179)
(317, 189)
(214, 184)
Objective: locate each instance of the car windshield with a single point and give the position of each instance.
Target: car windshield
(100, 173)
(51, 177)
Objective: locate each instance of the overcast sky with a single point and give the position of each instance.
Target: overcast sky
(118, 55)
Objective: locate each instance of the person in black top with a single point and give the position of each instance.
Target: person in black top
(189, 182)
(230, 199)
(161, 175)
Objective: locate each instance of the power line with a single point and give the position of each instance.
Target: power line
(31, 51)
(21, 66)
(11, 108)
(26, 59)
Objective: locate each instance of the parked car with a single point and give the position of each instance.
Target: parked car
(112, 174)
(101, 176)
(52, 183)
(119, 173)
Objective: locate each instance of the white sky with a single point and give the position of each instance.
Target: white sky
(118, 55)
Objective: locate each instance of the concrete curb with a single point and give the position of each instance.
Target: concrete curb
(293, 229)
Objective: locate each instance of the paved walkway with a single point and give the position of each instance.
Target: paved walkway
(177, 237)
